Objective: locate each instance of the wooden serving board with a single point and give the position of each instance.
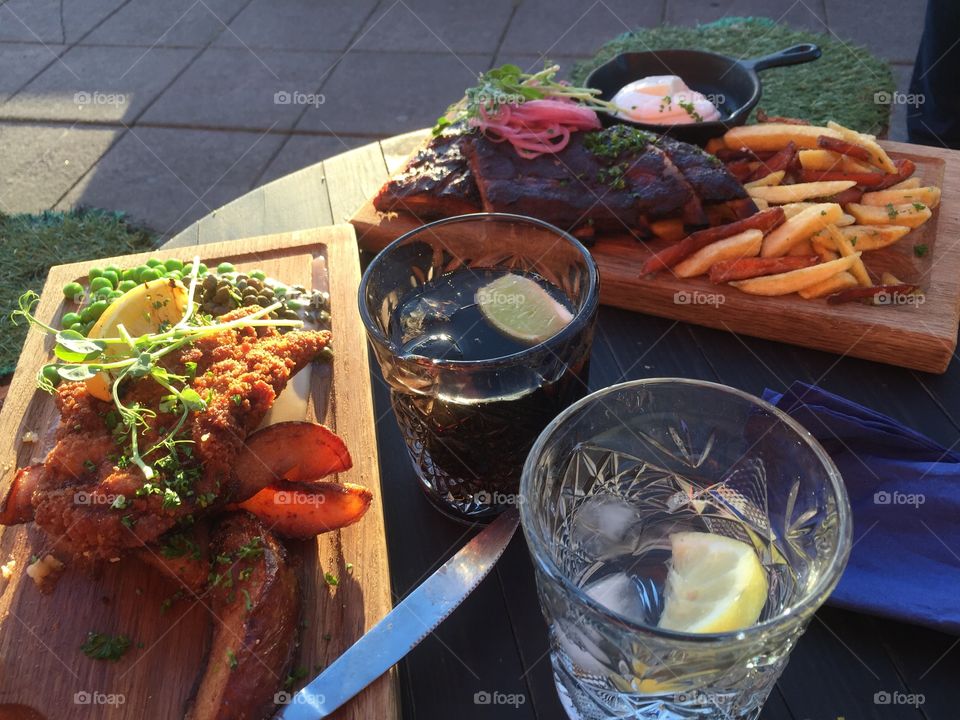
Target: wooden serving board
(920, 336)
(41, 665)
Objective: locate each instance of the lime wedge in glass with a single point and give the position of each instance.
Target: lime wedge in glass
(520, 307)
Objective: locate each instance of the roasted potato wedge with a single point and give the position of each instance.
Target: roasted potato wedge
(782, 194)
(864, 237)
(929, 196)
(845, 248)
(790, 282)
(296, 451)
(775, 136)
(745, 244)
(840, 281)
(910, 214)
(304, 510)
(800, 227)
(904, 184)
(255, 599)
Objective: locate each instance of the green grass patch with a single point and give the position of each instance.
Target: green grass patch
(33, 243)
(839, 86)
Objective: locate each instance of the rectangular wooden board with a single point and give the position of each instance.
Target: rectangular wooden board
(41, 665)
(920, 336)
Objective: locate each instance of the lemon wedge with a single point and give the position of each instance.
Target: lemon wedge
(518, 306)
(142, 310)
(715, 584)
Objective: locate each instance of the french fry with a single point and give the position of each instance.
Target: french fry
(819, 159)
(669, 229)
(843, 147)
(929, 196)
(714, 144)
(774, 178)
(761, 204)
(878, 156)
(864, 237)
(826, 253)
(800, 227)
(911, 214)
(840, 281)
(745, 244)
(744, 268)
(869, 178)
(792, 209)
(904, 184)
(804, 247)
(847, 196)
(780, 160)
(670, 256)
(858, 269)
(845, 220)
(782, 194)
(775, 136)
(791, 282)
(888, 278)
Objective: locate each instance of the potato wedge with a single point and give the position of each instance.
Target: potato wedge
(845, 248)
(790, 282)
(304, 510)
(929, 196)
(864, 237)
(840, 281)
(775, 136)
(297, 451)
(878, 156)
(792, 209)
(804, 247)
(800, 227)
(845, 220)
(828, 161)
(256, 601)
(745, 244)
(904, 184)
(761, 204)
(909, 214)
(782, 194)
(774, 178)
(826, 252)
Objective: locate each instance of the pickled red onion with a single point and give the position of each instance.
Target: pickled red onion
(536, 127)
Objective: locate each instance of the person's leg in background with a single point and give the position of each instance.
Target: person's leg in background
(935, 120)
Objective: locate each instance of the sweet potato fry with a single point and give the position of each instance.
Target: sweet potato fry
(779, 162)
(668, 257)
(876, 294)
(800, 227)
(782, 194)
(865, 179)
(877, 155)
(297, 451)
(745, 268)
(850, 195)
(929, 196)
(304, 510)
(773, 178)
(843, 147)
(804, 247)
(910, 214)
(840, 281)
(741, 245)
(905, 169)
(794, 280)
(762, 117)
(740, 169)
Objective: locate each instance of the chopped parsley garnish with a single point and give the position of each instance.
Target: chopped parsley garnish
(179, 545)
(689, 108)
(920, 250)
(331, 579)
(100, 646)
(918, 206)
(119, 503)
(891, 211)
(247, 602)
(232, 659)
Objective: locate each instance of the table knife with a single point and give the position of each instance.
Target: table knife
(405, 626)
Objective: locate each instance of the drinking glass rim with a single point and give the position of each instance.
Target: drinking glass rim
(808, 604)
(575, 324)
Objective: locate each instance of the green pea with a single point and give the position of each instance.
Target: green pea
(94, 273)
(114, 295)
(150, 273)
(225, 267)
(202, 269)
(173, 264)
(69, 319)
(259, 275)
(94, 311)
(78, 327)
(126, 285)
(130, 274)
(154, 262)
(99, 283)
(73, 291)
(51, 374)
(175, 275)
(114, 268)
(113, 277)
(87, 327)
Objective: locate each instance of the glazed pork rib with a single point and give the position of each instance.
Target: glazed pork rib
(615, 180)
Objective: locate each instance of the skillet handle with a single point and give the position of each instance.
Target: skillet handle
(804, 52)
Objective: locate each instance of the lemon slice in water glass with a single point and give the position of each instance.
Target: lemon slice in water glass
(520, 307)
(715, 584)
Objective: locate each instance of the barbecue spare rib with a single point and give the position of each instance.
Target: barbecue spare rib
(617, 180)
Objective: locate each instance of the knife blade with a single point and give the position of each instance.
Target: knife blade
(405, 626)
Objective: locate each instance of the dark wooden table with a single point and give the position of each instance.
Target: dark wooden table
(496, 641)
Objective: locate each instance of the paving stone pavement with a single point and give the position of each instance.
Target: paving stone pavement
(168, 109)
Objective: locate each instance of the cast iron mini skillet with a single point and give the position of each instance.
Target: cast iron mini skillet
(733, 85)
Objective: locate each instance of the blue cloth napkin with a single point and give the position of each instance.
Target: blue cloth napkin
(905, 493)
